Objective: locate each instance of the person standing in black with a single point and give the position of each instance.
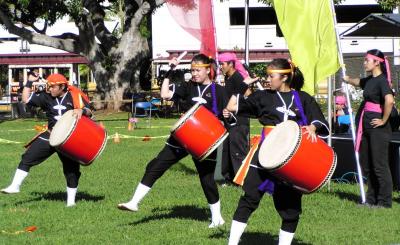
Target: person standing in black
(374, 130)
(55, 104)
(201, 89)
(236, 146)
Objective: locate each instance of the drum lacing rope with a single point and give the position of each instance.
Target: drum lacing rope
(213, 146)
(329, 175)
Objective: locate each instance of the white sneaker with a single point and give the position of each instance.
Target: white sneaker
(71, 205)
(10, 190)
(128, 207)
(214, 224)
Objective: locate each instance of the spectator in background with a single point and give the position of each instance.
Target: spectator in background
(342, 117)
(236, 145)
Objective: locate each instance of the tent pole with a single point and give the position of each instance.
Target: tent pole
(218, 77)
(329, 117)
(345, 87)
(246, 32)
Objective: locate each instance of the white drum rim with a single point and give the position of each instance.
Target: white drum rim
(217, 143)
(184, 118)
(294, 146)
(54, 139)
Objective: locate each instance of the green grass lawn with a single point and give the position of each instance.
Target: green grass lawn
(174, 212)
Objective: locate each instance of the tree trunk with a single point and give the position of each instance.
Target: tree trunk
(123, 68)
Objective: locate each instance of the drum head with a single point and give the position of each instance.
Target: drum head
(185, 117)
(279, 145)
(63, 129)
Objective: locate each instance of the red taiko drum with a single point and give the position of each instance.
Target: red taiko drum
(294, 159)
(199, 131)
(82, 140)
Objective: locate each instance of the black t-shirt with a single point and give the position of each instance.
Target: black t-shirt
(192, 93)
(235, 85)
(54, 107)
(375, 90)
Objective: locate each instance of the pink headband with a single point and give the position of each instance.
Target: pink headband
(340, 100)
(225, 57)
(389, 75)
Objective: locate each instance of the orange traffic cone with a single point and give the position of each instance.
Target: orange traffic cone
(117, 139)
(130, 126)
(146, 138)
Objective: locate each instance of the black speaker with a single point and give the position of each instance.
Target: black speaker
(346, 168)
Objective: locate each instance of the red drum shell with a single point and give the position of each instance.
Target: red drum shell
(82, 140)
(199, 131)
(306, 165)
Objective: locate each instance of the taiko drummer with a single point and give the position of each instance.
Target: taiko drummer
(283, 102)
(200, 89)
(62, 98)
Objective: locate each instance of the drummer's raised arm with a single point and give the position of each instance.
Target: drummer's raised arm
(26, 92)
(166, 93)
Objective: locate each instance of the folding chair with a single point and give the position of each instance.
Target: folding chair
(142, 109)
(156, 104)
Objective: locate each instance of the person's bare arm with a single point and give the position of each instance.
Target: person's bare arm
(26, 92)
(165, 92)
(352, 81)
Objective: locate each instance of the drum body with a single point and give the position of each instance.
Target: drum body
(294, 159)
(82, 140)
(199, 131)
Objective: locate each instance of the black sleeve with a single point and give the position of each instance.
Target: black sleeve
(250, 106)
(363, 81)
(222, 97)
(38, 100)
(385, 88)
(181, 91)
(314, 114)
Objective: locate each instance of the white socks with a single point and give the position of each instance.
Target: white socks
(140, 193)
(237, 230)
(285, 238)
(216, 217)
(19, 177)
(71, 194)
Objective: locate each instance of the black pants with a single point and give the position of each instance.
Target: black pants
(235, 149)
(171, 154)
(287, 201)
(40, 150)
(374, 157)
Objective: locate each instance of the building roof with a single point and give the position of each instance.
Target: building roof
(375, 25)
(42, 59)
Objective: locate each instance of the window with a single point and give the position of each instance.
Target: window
(355, 13)
(257, 16)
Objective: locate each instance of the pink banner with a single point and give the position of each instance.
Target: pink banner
(195, 17)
